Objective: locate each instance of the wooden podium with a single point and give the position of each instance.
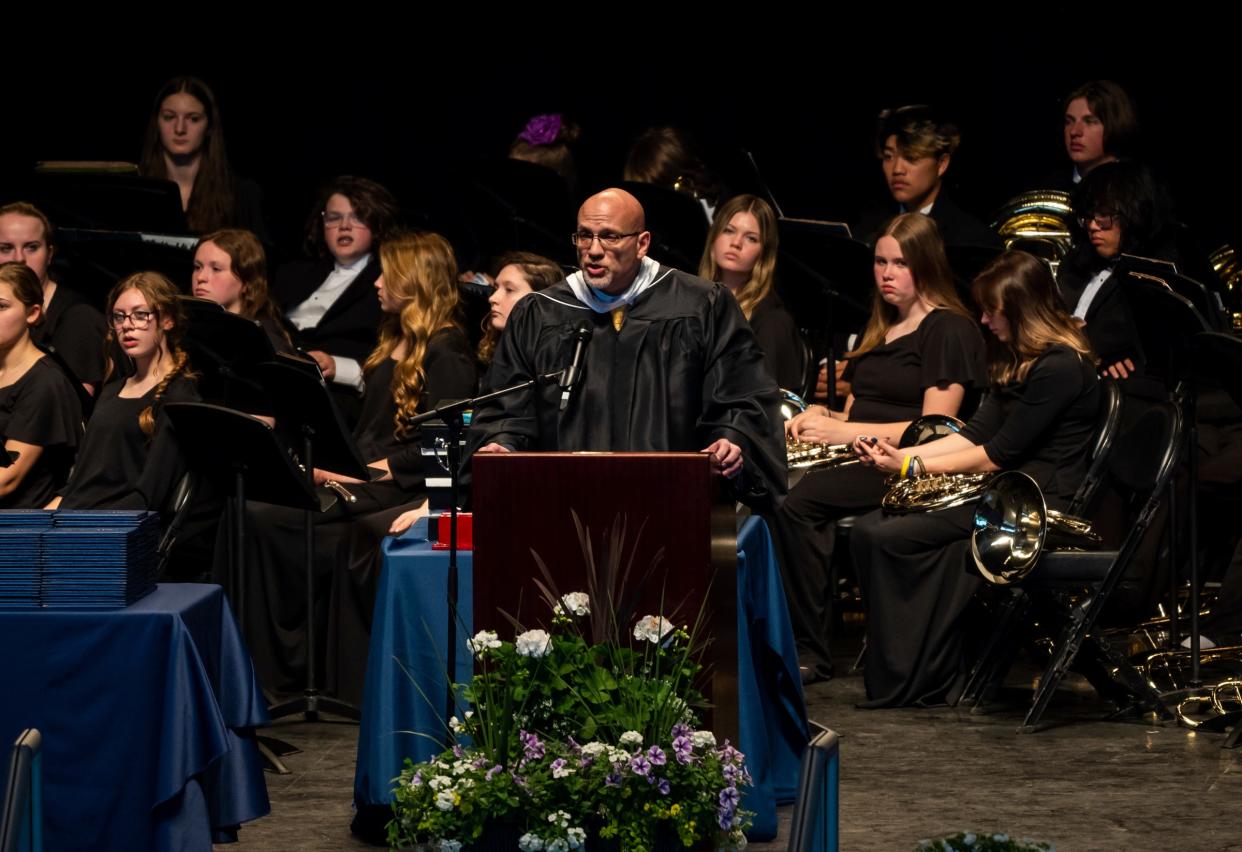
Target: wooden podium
(525, 502)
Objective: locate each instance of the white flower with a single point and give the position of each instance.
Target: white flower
(617, 755)
(482, 641)
(534, 643)
(461, 767)
(653, 628)
(444, 800)
(558, 845)
(560, 818)
(631, 739)
(450, 846)
(440, 782)
(594, 749)
(530, 843)
(703, 739)
(575, 603)
(577, 838)
(454, 724)
(561, 771)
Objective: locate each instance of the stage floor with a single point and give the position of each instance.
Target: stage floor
(907, 775)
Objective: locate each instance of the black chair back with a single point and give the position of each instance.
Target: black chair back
(814, 826)
(1108, 426)
(21, 823)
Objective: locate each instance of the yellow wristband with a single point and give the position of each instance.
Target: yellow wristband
(905, 467)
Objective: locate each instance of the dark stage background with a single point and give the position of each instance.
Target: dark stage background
(420, 115)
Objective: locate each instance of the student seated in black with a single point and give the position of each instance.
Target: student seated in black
(915, 145)
(1039, 418)
(423, 356)
(67, 323)
(741, 254)
(921, 353)
(40, 418)
(129, 457)
(329, 300)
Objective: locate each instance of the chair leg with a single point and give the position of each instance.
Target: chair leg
(984, 669)
(1064, 653)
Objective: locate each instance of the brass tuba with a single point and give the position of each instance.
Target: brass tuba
(1228, 266)
(1037, 222)
(1012, 525)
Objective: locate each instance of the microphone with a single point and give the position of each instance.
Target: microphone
(582, 335)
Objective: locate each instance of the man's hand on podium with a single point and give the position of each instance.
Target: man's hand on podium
(726, 457)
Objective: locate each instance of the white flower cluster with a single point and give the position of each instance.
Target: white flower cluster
(445, 800)
(631, 739)
(440, 782)
(534, 643)
(575, 838)
(483, 641)
(575, 603)
(652, 628)
(703, 739)
(594, 749)
(450, 845)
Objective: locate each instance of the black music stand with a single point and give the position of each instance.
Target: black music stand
(826, 282)
(222, 347)
(1167, 324)
(307, 416)
(242, 454)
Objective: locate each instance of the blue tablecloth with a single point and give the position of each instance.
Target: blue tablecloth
(402, 713)
(147, 716)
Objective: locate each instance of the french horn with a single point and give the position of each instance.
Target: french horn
(805, 455)
(1013, 524)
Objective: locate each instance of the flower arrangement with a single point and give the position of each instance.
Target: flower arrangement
(982, 841)
(566, 736)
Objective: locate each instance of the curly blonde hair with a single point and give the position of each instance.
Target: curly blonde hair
(420, 272)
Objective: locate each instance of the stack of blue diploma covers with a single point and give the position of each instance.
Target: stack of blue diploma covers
(81, 559)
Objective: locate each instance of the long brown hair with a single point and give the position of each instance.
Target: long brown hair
(763, 275)
(1019, 286)
(923, 251)
(421, 272)
(161, 298)
(540, 274)
(248, 262)
(211, 200)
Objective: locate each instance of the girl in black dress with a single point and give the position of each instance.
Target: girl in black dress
(68, 323)
(230, 268)
(129, 457)
(741, 254)
(1040, 418)
(423, 357)
(921, 353)
(40, 418)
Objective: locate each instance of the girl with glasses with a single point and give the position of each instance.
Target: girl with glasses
(129, 457)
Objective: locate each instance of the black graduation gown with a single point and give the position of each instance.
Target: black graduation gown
(913, 568)
(888, 383)
(275, 575)
(41, 408)
(683, 372)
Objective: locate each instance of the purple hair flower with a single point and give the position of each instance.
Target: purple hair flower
(494, 771)
(613, 779)
(729, 797)
(458, 752)
(665, 787)
(640, 765)
(542, 129)
(656, 755)
(680, 730)
(532, 745)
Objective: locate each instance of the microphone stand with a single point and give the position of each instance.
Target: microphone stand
(452, 415)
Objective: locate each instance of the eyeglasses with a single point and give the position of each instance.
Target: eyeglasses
(583, 239)
(335, 220)
(141, 319)
(1106, 221)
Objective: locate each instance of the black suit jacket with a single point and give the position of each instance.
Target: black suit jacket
(350, 327)
(957, 227)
